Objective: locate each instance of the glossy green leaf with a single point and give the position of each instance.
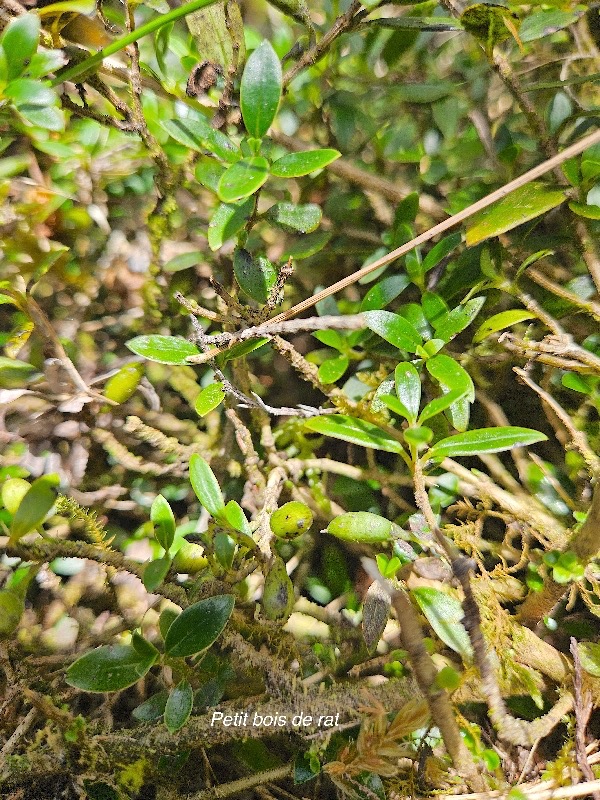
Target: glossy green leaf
(35, 505)
(307, 245)
(294, 165)
(332, 370)
(208, 172)
(209, 398)
(197, 627)
(241, 349)
(228, 220)
(498, 322)
(331, 338)
(36, 103)
(163, 349)
(179, 706)
(19, 42)
(384, 292)
(408, 389)
(234, 514)
(197, 133)
(109, 668)
(295, 218)
(256, 276)
(205, 485)
(444, 613)
(243, 179)
(450, 375)
(439, 404)
(458, 319)
(515, 209)
(397, 406)
(357, 431)
(260, 89)
(152, 709)
(163, 519)
(155, 572)
(484, 440)
(394, 329)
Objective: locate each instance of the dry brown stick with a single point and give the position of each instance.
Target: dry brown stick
(583, 709)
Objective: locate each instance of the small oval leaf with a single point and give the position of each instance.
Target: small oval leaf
(209, 398)
(197, 627)
(35, 505)
(445, 613)
(394, 329)
(294, 165)
(484, 440)
(206, 486)
(500, 321)
(109, 668)
(163, 349)
(242, 179)
(260, 89)
(357, 431)
(179, 706)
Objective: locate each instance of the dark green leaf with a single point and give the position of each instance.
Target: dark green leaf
(109, 668)
(164, 349)
(444, 613)
(155, 573)
(197, 627)
(293, 218)
(209, 398)
(205, 486)
(179, 706)
(357, 431)
(35, 505)
(439, 404)
(255, 276)
(19, 42)
(152, 709)
(450, 375)
(439, 251)
(228, 220)
(294, 165)
(242, 179)
(164, 521)
(198, 134)
(418, 23)
(484, 440)
(394, 329)
(260, 89)
(518, 207)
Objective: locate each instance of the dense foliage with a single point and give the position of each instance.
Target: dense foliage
(300, 398)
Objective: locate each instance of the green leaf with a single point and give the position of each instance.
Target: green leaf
(234, 514)
(294, 165)
(307, 246)
(444, 613)
(152, 709)
(439, 251)
(228, 220)
(518, 207)
(439, 404)
(198, 134)
(384, 292)
(163, 519)
(433, 24)
(545, 23)
(260, 89)
(293, 218)
(241, 349)
(164, 349)
(255, 276)
(500, 321)
(179, 706)
(332, 370)
(242, 179)
(208, 172)
(37, 103)
(362, 526)
(35, 505)
(589, 653)
(205, 486)
(109, 668)
(19, 42)
(450, 375)
(209, 398)
(357, 431)
(585, 210)
(197, 627)
(458, 319)
(394, 329)
(408, 389)
(484, 440)
(155, 572)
